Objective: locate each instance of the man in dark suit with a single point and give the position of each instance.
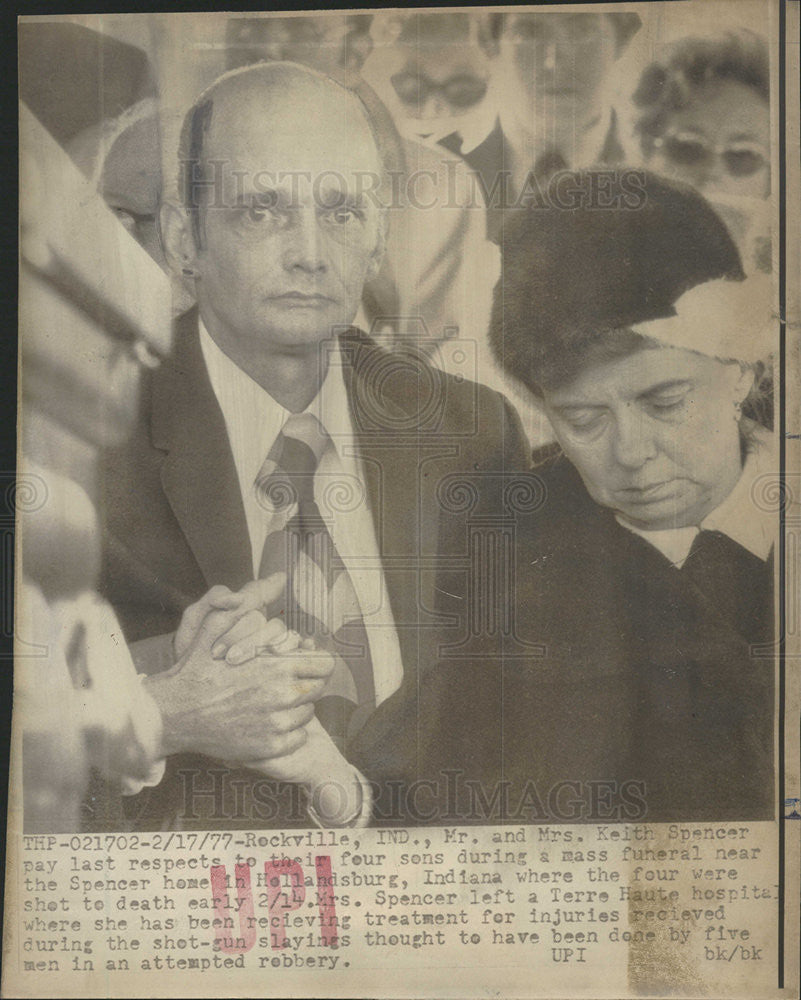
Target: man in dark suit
(279, 229)
(551, 73)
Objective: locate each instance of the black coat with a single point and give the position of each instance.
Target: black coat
(650, 697)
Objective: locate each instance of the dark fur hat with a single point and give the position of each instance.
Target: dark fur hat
(577, 266)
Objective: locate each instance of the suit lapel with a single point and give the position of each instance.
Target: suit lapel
(198, 474)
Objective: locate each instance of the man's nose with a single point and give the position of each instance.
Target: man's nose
(435, 107)
(549, 56)
(633, 443)
(303, 248)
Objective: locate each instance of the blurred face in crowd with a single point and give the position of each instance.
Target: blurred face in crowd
(129, 178)
(719, 142)
(329, 43)
(557, 62)
(653, 434)
(127, 171)
(433, 72)
(288, 237)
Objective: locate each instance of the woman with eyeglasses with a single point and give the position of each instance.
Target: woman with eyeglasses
(704, 114)
(635, 681)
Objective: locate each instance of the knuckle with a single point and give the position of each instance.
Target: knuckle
(252, 619)
(305, 714)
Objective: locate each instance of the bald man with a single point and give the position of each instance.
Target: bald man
(280, 225)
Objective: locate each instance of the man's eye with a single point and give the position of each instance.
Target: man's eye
(345, 216)
(260, 213)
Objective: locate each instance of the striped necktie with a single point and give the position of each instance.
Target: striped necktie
(320, 601)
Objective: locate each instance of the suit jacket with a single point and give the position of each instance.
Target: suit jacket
(491, 160)
(174, 525)
(649, 698)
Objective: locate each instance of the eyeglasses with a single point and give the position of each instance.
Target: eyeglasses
(461, 91)
(741, 159)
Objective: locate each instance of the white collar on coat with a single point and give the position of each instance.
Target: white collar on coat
(746, 516)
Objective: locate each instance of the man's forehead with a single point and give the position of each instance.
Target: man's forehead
(253, 120)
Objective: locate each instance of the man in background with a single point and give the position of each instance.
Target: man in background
(551, 71)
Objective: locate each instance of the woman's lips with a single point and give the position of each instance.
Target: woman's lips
(651, 493)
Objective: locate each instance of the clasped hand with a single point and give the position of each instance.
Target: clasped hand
(243, 687)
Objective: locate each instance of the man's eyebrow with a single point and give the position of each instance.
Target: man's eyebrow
(269, 198)
(334, 196)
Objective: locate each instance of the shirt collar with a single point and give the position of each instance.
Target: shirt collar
(587, 144)
(254, 418)
(473, 129)
(739, 516)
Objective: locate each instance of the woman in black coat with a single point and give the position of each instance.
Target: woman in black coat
(643, 580)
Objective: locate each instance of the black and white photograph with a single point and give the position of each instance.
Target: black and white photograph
(407, 504)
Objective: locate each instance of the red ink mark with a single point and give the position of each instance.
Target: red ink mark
(279, 902)
(222, 909)
(326, 902)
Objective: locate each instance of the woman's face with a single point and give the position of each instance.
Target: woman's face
(720, 142)
(654, 434)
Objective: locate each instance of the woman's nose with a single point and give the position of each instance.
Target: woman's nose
(634, 443)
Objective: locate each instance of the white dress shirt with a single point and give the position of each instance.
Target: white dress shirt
(739, 516)
(253, 420)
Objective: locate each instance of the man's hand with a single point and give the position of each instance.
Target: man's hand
(334, 788)
(253, 711)
(244, 618)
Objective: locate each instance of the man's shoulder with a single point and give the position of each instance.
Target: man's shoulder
(405, 373)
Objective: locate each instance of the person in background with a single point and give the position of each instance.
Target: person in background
(703, 117)
(432, 72)
(122, 157)
(546, 108)
(550, 73)
(646, 573)
(334, 44)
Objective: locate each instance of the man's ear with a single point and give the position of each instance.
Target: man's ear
(743, 384)
(177, 239)
(377, 256)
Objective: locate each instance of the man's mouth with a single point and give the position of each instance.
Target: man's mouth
(302, 299)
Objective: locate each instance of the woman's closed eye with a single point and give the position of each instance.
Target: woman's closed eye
(667, 404)
(584, 423)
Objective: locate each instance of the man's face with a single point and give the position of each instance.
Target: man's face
(288, 235)
(558, 60)
(318, 41)
(653, 434)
